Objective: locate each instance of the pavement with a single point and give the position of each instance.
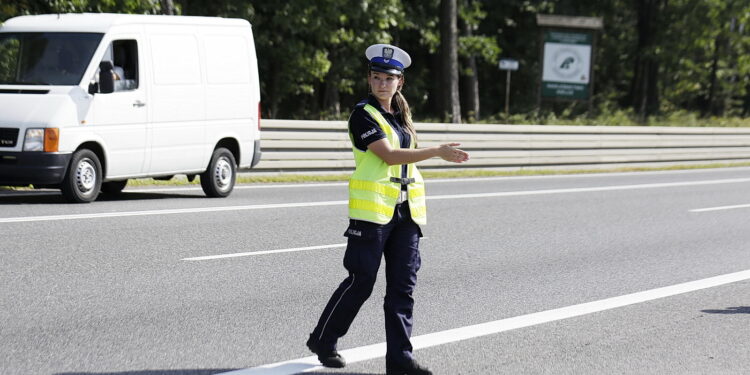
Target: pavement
(165, 281)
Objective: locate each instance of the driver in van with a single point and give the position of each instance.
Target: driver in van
(118, 72)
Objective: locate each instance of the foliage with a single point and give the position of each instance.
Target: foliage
(312, 62)
(22, 7)
(8, 59)
(428, 174)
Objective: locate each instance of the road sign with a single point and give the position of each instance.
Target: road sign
(508, 64)
(567, 64)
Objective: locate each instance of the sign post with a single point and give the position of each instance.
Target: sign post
(567, 57)
(508, 65)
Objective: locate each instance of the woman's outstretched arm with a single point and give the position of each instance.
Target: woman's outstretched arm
(391, 156)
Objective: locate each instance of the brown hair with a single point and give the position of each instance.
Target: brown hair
(403, 106)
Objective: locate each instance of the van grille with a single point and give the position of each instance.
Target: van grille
(8, 137)
(22, 91)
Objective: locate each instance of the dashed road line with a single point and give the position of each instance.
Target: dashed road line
(169, 211)
(264, 252)
(720, 208)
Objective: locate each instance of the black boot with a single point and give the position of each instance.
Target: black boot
(330, 358)
(408, 368)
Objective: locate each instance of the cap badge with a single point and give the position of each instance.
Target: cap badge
(387, 53)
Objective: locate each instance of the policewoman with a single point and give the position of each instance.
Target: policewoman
(386, 209)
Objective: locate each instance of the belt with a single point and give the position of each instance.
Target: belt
(403, 197)
(403, 181)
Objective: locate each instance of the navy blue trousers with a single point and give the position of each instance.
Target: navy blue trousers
(368, 243)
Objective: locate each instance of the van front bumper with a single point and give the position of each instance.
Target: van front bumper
(24, 168)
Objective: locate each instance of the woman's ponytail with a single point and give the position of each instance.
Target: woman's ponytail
(403, 106)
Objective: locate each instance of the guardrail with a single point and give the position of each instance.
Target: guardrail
(297, 146)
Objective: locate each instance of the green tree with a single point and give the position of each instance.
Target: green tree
(473, 47)
(309, 53)
(705, 63)
(653, 56)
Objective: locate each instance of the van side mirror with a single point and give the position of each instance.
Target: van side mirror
(106, 79)
(93, 87)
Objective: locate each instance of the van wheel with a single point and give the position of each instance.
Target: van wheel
(218, 180)
(114, 187)
(84, 178)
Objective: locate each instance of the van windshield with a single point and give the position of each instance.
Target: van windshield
(45, 58)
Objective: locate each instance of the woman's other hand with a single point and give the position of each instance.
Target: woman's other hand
(449, 152)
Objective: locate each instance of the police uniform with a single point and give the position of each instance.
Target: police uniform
(386, 207)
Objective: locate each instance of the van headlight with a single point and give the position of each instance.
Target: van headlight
(46, 139)
(34, 140)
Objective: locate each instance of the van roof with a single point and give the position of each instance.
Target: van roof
(102, 22)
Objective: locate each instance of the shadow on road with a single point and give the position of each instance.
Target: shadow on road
(32, 197)
(730, 310)
(153, 372)
(192, 372)
(126, 196)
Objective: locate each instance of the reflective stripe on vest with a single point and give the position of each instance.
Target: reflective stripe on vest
(372, 194)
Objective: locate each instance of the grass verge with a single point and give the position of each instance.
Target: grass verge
(463, 173)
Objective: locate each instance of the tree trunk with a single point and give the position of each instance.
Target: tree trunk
(167, 7)
(644, 89)
(331, 102)
(449, 58)
(711, 106)
(471, 90)
(273, 89)
(469, 81)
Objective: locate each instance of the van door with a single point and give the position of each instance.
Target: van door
(178, 96)
(121, 118)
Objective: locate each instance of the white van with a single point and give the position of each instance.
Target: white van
(88, 101)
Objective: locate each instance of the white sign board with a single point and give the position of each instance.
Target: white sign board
(569, 63)
(508, 64)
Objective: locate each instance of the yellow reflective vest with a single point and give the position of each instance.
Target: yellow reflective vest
(372, 193)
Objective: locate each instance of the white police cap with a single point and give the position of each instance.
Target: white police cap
(386, 58)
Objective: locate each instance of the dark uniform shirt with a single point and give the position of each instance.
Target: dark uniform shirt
(365, 129)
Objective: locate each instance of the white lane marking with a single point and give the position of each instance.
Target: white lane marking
(238, 187)
(169, 212)
(251, 253)
(363, 353)
(720, 208)
(334, 203)
(263, 252)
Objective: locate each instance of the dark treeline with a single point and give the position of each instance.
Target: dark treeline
(653, 57)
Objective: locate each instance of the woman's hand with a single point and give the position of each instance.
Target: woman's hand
(449, 152)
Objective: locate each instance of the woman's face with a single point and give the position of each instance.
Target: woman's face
(384, 85)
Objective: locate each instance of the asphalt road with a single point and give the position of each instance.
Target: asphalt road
(110, 287)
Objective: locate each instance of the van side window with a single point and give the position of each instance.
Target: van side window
(124, 57)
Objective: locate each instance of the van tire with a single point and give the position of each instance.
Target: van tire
(114, 187)
(83, 180)
(218, 180)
